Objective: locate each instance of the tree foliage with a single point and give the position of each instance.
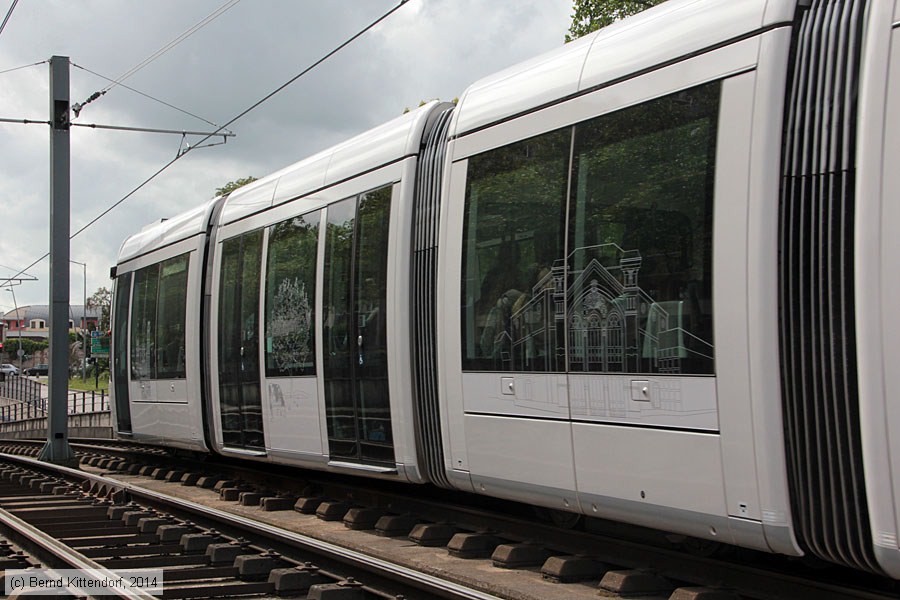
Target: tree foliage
(591, 15)
(100, 300)
(29, 346)
(233, 185)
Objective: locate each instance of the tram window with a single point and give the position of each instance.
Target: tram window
(640, 237)
(171, 311)
(158, 312)
(290, 297)
(143, 323)
(512, 251)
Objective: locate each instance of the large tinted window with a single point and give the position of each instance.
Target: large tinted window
(338, 330)
(143, 323)
(512, 255)
(370, 265)
(240, 400)
(290, 297)
(357, 396)
(158, 314)
(640, 238)
(170, 329)
(620, 280)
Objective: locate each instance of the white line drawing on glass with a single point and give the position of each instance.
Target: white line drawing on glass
(289, 325)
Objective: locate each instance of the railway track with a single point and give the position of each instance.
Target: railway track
(488, 544)
(15, 555)
(81, 521)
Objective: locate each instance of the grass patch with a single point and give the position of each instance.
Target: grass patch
(88, 384)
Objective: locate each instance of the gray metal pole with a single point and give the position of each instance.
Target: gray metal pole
(57, 449)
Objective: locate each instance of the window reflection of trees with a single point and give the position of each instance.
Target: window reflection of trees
(512, 235)
(639, 239)
(290, 297)
(641, 224)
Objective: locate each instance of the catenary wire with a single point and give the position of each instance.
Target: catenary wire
(145, 94)
(230, 122)
(250, 108)
(8, 15)
(309, 68)
(105, 212)
(180, 38)
(23, 67)
(77, 107)
(12, 269)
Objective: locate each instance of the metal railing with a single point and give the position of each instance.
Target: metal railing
(32, 403)
(92, 401)
(15, 387)
(21, 411)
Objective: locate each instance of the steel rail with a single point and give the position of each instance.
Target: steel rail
(750, 580)
(71, 558)
(379, 567)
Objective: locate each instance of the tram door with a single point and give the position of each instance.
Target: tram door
(120, 353)
(239, 387)
(357, 404)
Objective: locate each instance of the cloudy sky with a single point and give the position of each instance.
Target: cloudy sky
(428, 49)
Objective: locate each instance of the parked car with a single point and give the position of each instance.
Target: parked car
(38, 370)
(9, 369)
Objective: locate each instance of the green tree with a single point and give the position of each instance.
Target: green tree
(100, 300)
(29, 346)
(591, 15)
(233, 185)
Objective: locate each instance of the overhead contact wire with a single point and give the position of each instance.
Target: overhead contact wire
(314, 65)
(23, 67)
(77, 107)
(239, 116)
(8, 15)
(181, 110)
(186, 34)
(104, 213)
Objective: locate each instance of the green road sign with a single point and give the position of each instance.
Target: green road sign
(99, 345)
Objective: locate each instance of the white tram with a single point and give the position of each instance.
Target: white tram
(645, 277)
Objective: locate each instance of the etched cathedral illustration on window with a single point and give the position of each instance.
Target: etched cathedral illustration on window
(612, 324)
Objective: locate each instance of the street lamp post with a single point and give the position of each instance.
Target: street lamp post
(83, 318)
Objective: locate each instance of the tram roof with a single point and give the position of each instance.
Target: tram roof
(392, 141)
(382, 145)
(673, 29)
(167, 231)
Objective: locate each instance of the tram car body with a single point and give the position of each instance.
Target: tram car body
(645, 277)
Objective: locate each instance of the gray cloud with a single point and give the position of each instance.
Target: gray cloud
(428, 49)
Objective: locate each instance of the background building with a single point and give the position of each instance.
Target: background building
(32, 321)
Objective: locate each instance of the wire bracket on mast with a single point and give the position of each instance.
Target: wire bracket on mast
(184, 147)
